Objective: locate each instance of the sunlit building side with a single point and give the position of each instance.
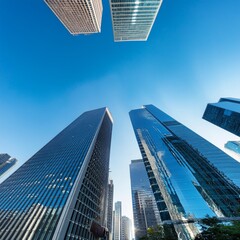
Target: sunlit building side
(80, 16)
(189, 176)
(133, 20)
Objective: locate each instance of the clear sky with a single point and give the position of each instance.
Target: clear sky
(49, 77)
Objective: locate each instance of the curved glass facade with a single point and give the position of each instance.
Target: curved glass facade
(35, 198)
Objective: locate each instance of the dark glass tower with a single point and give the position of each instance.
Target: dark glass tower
(110, 208)
(6, 162)
(189, 176)
(145, 211)
(59, 191)
(225, 114)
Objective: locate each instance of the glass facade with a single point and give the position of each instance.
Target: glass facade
(132, 20)
(225, 114)
(190, 177)
(145, 211)
(62, 188)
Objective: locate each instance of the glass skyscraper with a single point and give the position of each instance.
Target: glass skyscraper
(61, 189)
(133, 20)
(225, 114)
(145, 211)
(190, 177)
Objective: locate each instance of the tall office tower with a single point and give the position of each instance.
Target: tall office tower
(6, 162)
(126, 228)
(110, 208)
(62, 189)
(189, 176)
(133, 21)
(145, 211)
(233, 146)
(117, 221)
(225, 114)
(78, 16)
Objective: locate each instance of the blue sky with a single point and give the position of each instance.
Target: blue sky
(49, 77)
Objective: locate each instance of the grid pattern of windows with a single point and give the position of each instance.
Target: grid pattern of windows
(194, 177)
(80, 16)
(33, 198)
(133, 19)
(91, 200)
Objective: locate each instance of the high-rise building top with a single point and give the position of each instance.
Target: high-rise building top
(4, 157)
(6, 162)
(233, 146)
(133, 20)
(189, 176)
(59, 191)
(145, 211)
(78, 16)
(225, 114)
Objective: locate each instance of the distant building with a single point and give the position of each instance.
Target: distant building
(189, 176)
(61, 191)
(110, 207)
(6, 162)
(225, 114)
(117, 221)
(126, 228)
(79, 17)
(145, 211)
(133, 20)
(233, 146)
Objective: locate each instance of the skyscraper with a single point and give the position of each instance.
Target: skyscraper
(80, 16)
(110, 207)
(117, 220)
(62, 189)
(126, 228)
(225, 114)
(145, 211)
(6, 162)
(133, 21)
(189, 176)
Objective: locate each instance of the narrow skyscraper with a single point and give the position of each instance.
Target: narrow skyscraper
(133, 21)
(145, 211)
(117, 220)
(110, 208)
(189, 176)
(62, 189)
(225, 114)
(78, 16)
